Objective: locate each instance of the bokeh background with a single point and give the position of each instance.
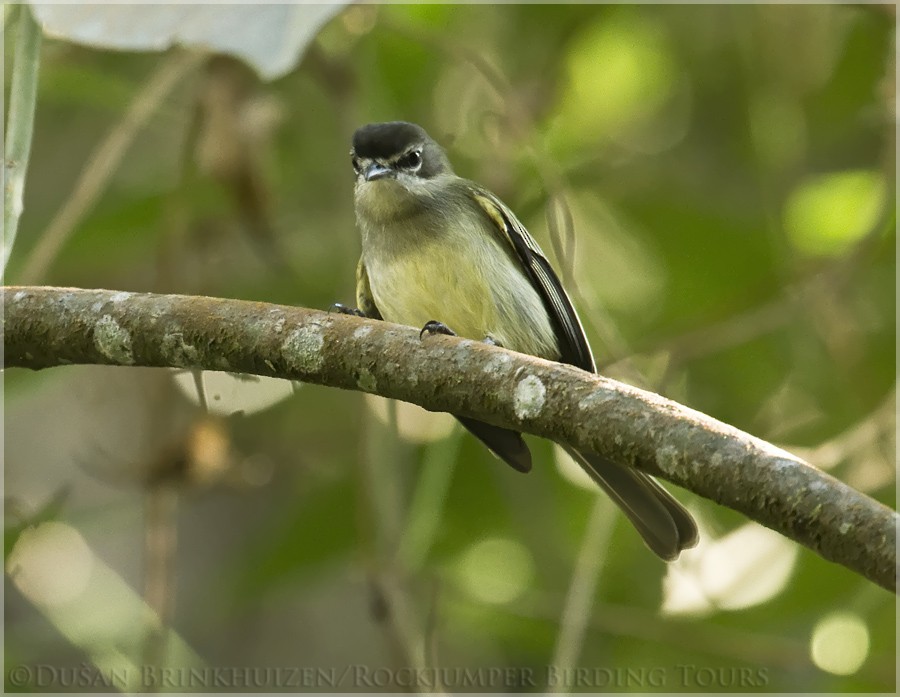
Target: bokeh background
(716, 185)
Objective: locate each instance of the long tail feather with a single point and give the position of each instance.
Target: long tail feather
(664, 524)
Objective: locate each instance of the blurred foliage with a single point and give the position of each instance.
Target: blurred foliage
(729, 173)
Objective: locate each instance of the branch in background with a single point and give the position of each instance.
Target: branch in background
(583, 589)
(47, 327)
(19, 125)
(160, 545)
(104, 162)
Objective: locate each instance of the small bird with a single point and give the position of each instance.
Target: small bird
(442, 253)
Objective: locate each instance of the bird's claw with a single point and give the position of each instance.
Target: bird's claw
(435, 327)
(345, 310)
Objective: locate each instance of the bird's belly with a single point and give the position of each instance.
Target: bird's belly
(473, 295)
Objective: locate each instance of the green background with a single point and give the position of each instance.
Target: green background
(729, 173)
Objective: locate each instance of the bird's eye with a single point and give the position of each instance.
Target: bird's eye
(356, 164)
(411, 160)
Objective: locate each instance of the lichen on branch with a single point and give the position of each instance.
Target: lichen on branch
(47, 327)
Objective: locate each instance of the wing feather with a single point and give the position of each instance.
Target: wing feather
(365, 301)
(573, 345)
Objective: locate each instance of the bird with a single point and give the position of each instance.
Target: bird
(443, 253)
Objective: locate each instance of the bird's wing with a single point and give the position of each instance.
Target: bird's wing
(573, 345)
(364, 299)
(665, 524)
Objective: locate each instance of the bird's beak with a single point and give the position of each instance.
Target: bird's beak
(377, 171)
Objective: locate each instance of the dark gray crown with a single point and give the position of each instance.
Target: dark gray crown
(384, 140)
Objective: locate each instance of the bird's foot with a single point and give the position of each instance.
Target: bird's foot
(435, 327)
(344, 310)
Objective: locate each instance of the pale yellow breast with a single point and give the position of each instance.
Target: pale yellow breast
(476, 290)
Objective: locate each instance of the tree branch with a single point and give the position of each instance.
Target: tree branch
(47, 327)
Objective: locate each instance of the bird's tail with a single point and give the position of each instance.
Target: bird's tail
(665, 524)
